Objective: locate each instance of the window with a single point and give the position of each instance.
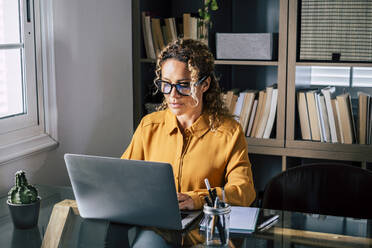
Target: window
(362, 77)
(22, 88)
(326, 75)
(341, 76)
(18, 107)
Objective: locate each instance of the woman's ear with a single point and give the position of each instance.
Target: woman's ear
(206, 84)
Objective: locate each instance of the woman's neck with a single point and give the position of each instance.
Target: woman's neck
(186, 121)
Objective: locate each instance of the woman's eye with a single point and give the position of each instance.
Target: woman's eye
(184, 85)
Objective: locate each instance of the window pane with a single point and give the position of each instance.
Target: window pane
(332, 75)
(11, 90)
(9, 22)
(362, 77)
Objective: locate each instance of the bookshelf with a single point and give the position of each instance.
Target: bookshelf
(283, 150)
(310, 149)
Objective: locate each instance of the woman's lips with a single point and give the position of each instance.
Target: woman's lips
(175, 105)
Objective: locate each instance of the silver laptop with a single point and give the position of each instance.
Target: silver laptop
(126, 191)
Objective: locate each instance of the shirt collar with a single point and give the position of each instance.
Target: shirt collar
(170, 122)
(198, 128)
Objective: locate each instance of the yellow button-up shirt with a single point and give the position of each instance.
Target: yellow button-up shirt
(220, 155)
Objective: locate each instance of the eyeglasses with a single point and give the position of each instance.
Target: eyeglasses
(184, 88)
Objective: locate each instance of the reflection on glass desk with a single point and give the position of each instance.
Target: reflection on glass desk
(292, 230)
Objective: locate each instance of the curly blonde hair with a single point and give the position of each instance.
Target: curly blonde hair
(200, 62)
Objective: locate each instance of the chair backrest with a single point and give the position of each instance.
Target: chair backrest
(329, 189)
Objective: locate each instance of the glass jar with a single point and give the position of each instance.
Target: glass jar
(217, 222)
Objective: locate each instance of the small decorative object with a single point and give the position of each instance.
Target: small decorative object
(248, 46)
(205, 15)
(23, 202)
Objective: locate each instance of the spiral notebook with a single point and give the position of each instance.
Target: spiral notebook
(242, 220)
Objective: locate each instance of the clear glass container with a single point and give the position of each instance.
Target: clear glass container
(217, 222)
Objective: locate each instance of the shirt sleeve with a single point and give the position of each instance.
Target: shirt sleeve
(239, 188)
(135, 150)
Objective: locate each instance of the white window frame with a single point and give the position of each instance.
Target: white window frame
(36, 132)
(328, 75)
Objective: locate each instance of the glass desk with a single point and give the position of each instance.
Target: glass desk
(292, 230)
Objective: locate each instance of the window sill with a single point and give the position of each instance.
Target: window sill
(27, 147)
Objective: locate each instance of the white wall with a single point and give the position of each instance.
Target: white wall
(93, 63)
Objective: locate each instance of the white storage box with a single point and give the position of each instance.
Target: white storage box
(248, 46)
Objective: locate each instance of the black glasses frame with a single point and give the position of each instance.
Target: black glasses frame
(177, 86)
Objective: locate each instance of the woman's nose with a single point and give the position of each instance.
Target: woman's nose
(174, 92)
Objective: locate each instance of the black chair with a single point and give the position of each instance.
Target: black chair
(324, 188)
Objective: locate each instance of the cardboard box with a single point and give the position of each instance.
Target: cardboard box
(246, 46)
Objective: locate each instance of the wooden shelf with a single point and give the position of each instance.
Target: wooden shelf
(327, 154)
(351, 64)
(229, 62)
(246, 62)
(332, 147)
(264, 142)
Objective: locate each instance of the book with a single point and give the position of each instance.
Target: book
(147, 36)
(265, 113)
(363, 100)
(346, 118)
(331, 120)
(186, 25)
(239, 106)
(342, 140)
(260, 106)
(251, 118)
(324, 119)
(157, 35)
(353, 124)
(313, 115)
(243, 220)
(170, 24)
(227, 98)
(246, 110)
(320, 118)
(167, 36)
(336, 119)
(194, 28)
(272, 114)
(230, 100)
(303, 116)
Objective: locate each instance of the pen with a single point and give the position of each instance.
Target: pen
(267, 222)
(220, 228)
(214, 218)
(268, 226)
(214, 193)
(209, 189)
(209, 203)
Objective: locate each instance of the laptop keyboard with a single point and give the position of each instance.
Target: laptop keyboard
(184, 215)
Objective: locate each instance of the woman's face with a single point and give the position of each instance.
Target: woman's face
(175, 72)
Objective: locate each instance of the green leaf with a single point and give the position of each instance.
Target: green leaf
(214, 5)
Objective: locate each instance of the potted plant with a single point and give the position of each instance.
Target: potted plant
(23, 202)
(205, 15)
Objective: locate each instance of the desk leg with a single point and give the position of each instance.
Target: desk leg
(59, 223)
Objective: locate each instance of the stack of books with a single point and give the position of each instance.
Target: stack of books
(158, 32)
(327, 118)
(254, 110)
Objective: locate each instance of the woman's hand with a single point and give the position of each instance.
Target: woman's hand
(185, 202)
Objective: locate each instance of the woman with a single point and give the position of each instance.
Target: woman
(193, 131)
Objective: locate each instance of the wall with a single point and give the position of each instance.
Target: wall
(93, 63)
